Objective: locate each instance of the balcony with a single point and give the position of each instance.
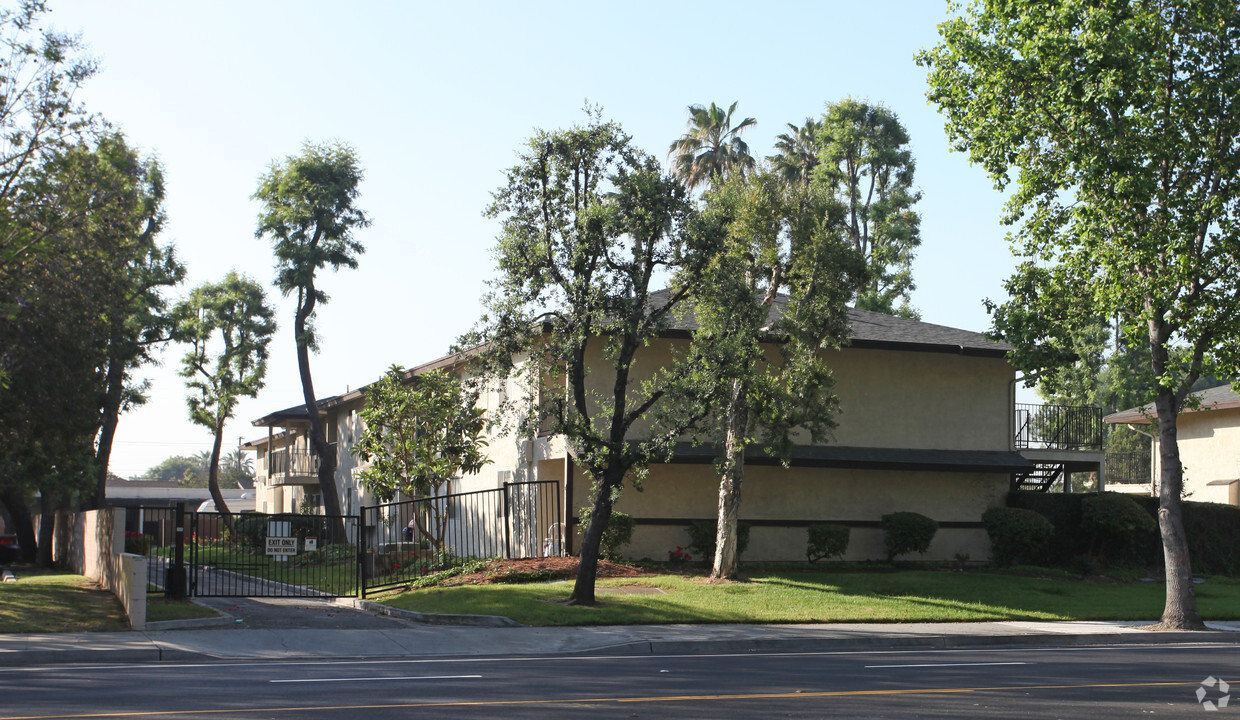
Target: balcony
(292, 468)
(1059, 427)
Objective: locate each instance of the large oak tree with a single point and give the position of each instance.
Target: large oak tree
(1116, 127)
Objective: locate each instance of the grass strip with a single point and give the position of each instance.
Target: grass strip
(57, 601)
(823, 597)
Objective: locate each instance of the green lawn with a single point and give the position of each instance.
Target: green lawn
(796, 597)
(56, 601)
(160, 608)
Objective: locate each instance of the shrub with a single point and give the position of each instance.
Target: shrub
(906, 532)
(1018, 536)
(617, 534)
(138, 544)
(702, 535)
(826, 541)
(1117, 527)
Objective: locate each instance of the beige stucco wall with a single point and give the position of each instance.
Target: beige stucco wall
(92, 543)
(888, 398)
(1209, 443)
(809, 495)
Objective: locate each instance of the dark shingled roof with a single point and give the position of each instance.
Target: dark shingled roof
(869, 458)
(878, 331)
(1217, 398)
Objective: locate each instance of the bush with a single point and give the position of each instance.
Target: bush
(1213, 533)
(906, 532)
(138, 544)
(1018, 536)
(250, 529)
(702, 535)
(1118, 528)
(826, 541)
(617, 534)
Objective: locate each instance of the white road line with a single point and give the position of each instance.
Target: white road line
(450, 659)
(937, 665)
(377, 679)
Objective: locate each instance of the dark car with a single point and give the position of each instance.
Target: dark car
(10, 550)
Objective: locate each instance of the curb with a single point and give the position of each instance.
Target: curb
(221, 618)
(934, 642)
(495, 621)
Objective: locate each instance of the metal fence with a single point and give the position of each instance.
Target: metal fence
(404, 541)
(152, 531)
(1129, 468)
(1059, 427)
(285, 555)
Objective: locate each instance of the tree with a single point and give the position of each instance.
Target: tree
(82, 311)
(1119, 121)
(177, 468)
(780, 238)
(866, 164)
(228, 326)
(237, 468)
(420, 432)
(712, 148)
(589, 223)
(799, 149)
(309, 217)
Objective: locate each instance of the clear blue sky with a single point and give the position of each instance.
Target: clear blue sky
(437, 98)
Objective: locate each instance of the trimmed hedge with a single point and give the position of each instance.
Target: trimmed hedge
(826, 541)
(617, 534)
(703, 533)
(1213, 530)
(906, 532)
(1119, 530)
(1018, 536)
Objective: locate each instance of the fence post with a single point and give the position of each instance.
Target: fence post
(174, 583)
(360, 531)
(507, 523)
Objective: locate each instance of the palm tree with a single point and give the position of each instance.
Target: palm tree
(712, 148)
(798, 152)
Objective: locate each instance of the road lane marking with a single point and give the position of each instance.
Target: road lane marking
(377, 679)
(64, 669)
(921, 665)
(603, 700)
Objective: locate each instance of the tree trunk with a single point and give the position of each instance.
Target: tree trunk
(47, 529)
(726, 552)
(587, 565)
(107, 430)
(1180, 611)
(23, 524)
(213, 477)
(318, 438)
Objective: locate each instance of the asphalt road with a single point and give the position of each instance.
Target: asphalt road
(1159, 681)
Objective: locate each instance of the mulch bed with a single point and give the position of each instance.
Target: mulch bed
(546, 569)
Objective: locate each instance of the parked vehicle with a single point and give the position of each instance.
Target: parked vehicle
(10, 549)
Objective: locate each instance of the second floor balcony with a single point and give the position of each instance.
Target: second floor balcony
(292, 468)
(1059, 427)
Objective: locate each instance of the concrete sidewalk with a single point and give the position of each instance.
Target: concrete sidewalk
(424, 641)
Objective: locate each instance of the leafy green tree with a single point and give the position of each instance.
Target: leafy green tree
(228, 326)
(176, 468)
(866, 164)
(782, 243)
(799, 149)
(1119, 123)
(589, 223)
(309, 216)
(420, 432)
(712, 148)
(81, 314)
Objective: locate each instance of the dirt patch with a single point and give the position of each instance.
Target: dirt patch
(541, 570)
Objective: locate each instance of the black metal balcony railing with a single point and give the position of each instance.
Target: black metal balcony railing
(1129, 468)
(1059, 427)
(292, 464)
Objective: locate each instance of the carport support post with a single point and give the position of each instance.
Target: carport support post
(176, 577)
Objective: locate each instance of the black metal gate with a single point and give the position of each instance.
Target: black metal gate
(286, 555)
(405, 541)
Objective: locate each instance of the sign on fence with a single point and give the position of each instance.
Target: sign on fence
(281, 546)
